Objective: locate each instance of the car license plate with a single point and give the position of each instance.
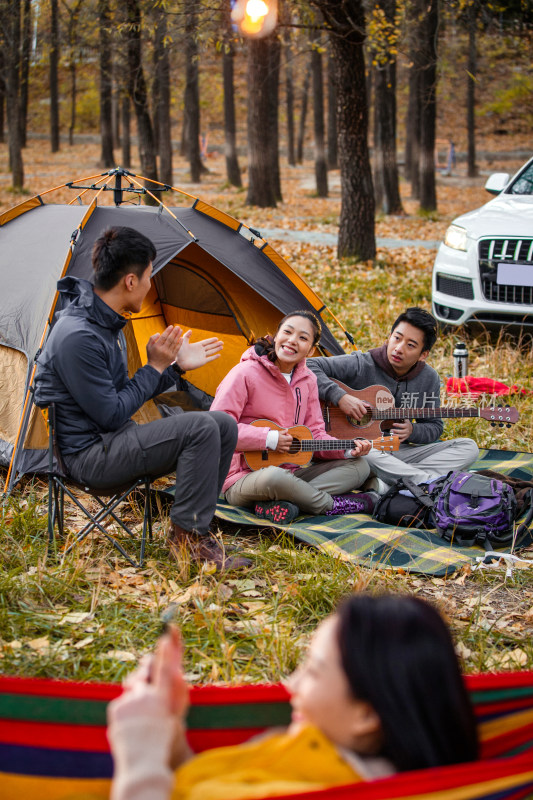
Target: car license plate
(515, 274)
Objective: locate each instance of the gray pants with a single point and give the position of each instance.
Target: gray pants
(310, 488)
(198, 445)
(424, 462)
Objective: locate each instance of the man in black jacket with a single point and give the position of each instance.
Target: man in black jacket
(83, 370)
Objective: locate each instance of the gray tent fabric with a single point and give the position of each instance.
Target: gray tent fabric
(33, 249)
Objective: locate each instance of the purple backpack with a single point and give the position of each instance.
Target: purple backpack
(472, 509)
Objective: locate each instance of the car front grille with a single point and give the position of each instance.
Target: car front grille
(509, 251)
(457, 287)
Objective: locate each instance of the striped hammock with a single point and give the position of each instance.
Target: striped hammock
(53, 742)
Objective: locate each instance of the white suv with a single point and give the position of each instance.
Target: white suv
(483, 271)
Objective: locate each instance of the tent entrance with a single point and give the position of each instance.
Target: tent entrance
(200, 293)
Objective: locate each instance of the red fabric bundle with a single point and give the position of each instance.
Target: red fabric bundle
(476, 386)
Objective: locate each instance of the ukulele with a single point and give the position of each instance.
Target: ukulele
(383, 412)
(303, 446)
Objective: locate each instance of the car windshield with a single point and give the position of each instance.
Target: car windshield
(524, 183)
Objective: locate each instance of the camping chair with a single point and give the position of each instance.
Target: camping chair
(109, 499)
(53, 741)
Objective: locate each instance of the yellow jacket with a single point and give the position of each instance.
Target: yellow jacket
(271, 766)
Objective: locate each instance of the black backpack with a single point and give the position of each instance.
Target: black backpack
(465, 508)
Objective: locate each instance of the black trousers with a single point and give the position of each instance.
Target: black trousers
(197, 444)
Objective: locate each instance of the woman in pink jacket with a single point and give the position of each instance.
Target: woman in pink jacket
(273, 382)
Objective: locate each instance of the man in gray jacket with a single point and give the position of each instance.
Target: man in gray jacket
(399, 365)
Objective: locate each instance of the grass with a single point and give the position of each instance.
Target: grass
(92, 617)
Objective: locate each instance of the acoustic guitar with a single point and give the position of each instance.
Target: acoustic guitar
(303, 446)
(383, 412)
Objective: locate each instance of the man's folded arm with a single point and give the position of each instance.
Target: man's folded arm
(83, 369)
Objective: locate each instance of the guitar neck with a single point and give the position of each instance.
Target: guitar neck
(312, 445)
(424, 413)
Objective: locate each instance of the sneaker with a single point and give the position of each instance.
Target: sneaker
(278, 511)
(376, 485)
(361, 503)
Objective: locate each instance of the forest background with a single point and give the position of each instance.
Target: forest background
(334, 150)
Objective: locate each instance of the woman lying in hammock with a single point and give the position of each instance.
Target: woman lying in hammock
(379, 692)
(272, 382)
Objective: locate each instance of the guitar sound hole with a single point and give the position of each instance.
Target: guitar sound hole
(357, 423)
(295, 445)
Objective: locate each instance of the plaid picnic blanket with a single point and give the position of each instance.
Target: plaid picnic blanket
(375, 544)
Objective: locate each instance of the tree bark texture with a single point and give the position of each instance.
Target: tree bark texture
(10, 61)
(25, 69)
(73, 95)
(125, 118)
(10, 21)
(303, 116)
(385, 163)
(261, 187)
(273, 116)
(471, 71)
(2, 98)
(412, 122)
(230, 128)
(346, 23)
(163, 105)
(107, 158)
(333, 158)
(54, 85)
(154, 84)
(289, 100)
(428, 104)
(321, 170)
(192, 91)
(139, 97)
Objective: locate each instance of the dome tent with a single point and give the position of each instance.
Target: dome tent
(212, 273)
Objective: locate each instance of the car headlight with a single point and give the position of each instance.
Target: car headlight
(455, 237)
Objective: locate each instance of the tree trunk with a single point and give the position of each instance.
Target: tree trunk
(25, 70)
(73, 93)
(385, 163)
(139, 97)
(2, 97)
(471, 90)
(115, 113)
(273, 116)
(10, 19)
(321, 170)
(412, 121)
(192, 91)
(289, 98)
(346, 23)
(261, 189)
(125, 117)
(163, 107)
(54, 87)
(303, 116)
(154, 84)
(428, 105)
(228, 58)
(333, 158)
(106, 85)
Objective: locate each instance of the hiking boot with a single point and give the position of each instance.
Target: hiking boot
(203, 548)
(278, 511)
(362, 503)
